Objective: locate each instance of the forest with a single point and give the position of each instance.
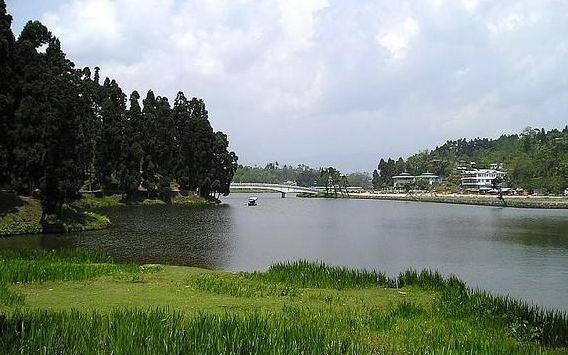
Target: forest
(302, 175)
(535, 159)
(64, 129)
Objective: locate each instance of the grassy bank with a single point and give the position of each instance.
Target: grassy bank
(95, 306)
(21, 215)
(541, 202)
(89, 201)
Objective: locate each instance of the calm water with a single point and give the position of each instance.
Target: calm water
(519, 252)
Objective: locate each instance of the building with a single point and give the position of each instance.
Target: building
(405, 179)
(480, 179)
(430, 178)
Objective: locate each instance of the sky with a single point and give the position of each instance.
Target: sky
(330, 82)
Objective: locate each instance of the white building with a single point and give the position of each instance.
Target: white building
(430, 178)
(404, 179)
(480, 179)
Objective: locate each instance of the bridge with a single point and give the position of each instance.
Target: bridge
(283, 189)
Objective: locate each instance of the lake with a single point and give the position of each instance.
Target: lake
(521, 252)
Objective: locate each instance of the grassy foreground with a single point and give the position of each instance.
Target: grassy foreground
(82, 303)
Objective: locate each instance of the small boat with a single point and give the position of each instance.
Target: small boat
(252, 201)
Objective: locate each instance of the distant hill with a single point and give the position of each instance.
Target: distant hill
(533, 159)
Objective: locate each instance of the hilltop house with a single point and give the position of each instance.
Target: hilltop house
(480, 179)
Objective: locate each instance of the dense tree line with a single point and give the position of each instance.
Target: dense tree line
(302, 175)
(335, 183)
(273, 173)
(534, 159)
(61, 129)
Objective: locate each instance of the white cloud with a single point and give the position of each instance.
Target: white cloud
(94, 24)
(378, 77)
(298, 21)
(397, 40)
(506, 24)
(470, 5)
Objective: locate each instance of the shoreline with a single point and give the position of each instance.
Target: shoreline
(21, 216)
(369, 309)
(537, 202)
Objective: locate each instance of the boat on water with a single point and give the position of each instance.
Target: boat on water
(252, 201)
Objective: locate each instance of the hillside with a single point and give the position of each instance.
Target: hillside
(533, 159)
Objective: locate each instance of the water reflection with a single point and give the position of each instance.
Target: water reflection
(511, 251)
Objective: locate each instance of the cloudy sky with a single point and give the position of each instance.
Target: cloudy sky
(331, 82)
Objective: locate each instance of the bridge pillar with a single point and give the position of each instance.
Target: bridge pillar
(283, 194)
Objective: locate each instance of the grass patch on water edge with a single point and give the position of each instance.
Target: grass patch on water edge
(21, 215)
(297, 307)
(40, 266)
(90, 201)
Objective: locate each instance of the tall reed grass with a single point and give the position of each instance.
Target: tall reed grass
(409, 328)
(303, 273)
(42, 266)
(457, 310)
(527, 322)
(27, 266)
(240, 286)
(163, 332)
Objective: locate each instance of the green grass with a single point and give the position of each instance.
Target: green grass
(89, 201)
(39, 266)
(21, 215)
(312, 274)
(43, 266)
(297, 307)
(239, 286)
(525, 321)
(191, 201)
(163, 332)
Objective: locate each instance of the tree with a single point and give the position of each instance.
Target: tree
(359, 179)
(110, 139)
(224, 167)
(497, 184)
(165, 148)
(7, 88)
(332, 179)
(31, 109)
(129, 171)
(91, 126)
(60, 130)
(150, 178)
(306, 176)
(48, 121)
(376, 179)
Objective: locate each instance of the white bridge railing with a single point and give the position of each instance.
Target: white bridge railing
(273, 187)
